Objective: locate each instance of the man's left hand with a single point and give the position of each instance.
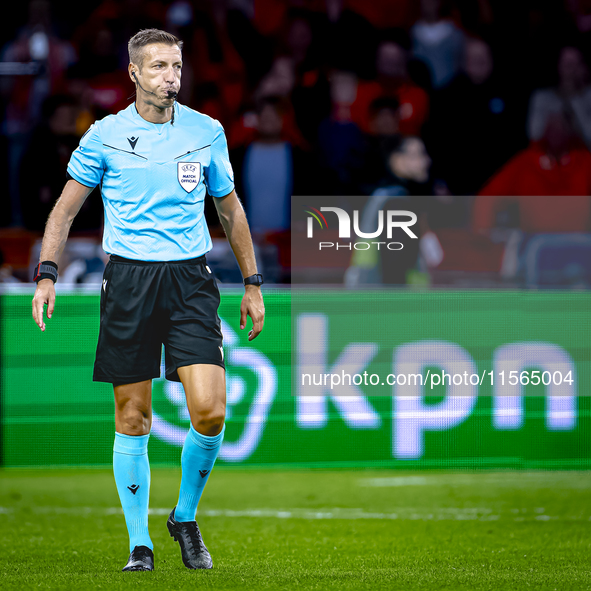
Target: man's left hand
(252, 305)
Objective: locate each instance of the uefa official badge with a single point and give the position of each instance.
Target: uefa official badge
(189, 175)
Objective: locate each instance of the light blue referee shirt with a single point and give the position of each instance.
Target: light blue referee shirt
(153, 180)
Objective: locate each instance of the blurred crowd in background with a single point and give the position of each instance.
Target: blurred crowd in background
(476, 113)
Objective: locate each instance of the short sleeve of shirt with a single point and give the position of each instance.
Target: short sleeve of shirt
(219, 174)
(87, 163)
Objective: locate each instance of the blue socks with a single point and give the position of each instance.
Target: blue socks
(197, 460)
(132, 477)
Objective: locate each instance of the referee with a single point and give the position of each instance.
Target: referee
(155, 161)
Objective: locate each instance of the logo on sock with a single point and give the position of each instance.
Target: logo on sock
(203, 473)
(133, 488)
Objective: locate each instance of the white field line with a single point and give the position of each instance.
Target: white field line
(395, 481)
(403, 513)
(536, 479)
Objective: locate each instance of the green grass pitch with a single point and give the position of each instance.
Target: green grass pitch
(269, 529)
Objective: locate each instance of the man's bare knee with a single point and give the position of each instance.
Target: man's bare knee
(133, 408)
(133, 420)
(209, 423)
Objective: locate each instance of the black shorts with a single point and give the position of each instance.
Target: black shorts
(145, 305)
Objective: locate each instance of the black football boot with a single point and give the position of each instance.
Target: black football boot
(141, 558)
(193, 551)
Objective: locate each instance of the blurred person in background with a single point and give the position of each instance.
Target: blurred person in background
(278, 83)
(408, 167)
(299, 45)
(571, 97)
(270, 169)
(279, 80)
(580, 11)
(44, 164)
(438, 42)
(384, 117)
(286, 62)
(98, 76)
(392, 80)
(476, 123)
(271, 166)
(384, 124)
(550, 182)
(340, 141)
(310, 91)
(341, 23)
(214, 61)
(36, 42)
(254, 45)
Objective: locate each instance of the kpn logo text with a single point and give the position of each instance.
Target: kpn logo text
(386, 220)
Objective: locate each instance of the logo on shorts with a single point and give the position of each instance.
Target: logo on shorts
(189, 175)
(222, 352)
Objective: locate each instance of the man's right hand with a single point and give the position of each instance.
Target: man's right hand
(44, 294)
(54, 240)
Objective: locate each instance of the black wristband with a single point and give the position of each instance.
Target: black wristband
(45, 270)
(256, 279)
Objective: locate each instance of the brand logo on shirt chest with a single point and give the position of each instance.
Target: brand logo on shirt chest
(189, 175)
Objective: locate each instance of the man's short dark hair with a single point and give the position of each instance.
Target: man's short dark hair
(147, 37)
